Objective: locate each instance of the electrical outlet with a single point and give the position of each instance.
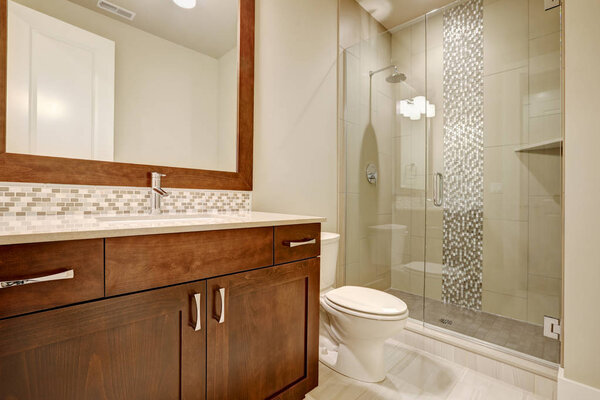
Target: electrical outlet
(549, 4)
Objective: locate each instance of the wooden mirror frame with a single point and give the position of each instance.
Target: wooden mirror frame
(42, 169)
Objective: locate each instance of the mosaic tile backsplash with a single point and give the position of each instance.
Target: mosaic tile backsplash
(462, 251)
(31, 199)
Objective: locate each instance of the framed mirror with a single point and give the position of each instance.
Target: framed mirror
(103, 92)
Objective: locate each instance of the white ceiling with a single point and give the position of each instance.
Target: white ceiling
(210, 27)
(391, 13)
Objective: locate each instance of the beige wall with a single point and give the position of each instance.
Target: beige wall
(582, 191)
(295, 140)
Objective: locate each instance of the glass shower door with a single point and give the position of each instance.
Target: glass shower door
(493, 209)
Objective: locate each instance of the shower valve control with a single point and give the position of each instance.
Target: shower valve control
(372, 173)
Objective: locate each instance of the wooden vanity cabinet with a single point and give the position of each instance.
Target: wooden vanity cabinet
(229, 325)
(140, 346)
(83, 259)
(144, 262)
(262, 339)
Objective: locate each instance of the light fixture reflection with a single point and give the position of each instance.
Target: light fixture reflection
(414, 108)
(50, 107)
(187, 4)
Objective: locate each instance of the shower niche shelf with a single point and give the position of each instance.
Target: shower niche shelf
(546, 144)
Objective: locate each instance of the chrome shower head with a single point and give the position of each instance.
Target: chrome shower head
(395, 77)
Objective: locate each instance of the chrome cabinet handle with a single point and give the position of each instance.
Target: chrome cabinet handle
(54, 277)
(197, 326)
(221, 317)
(302, 242)
(438, 189)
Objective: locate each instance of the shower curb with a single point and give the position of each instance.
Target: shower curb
(518, 369)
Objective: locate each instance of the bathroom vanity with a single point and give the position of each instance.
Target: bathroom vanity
(220, 309)
(106, 290)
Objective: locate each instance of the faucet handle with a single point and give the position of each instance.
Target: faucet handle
(157, 174)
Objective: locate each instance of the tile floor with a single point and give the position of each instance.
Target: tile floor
(516, 335)
(414, 374)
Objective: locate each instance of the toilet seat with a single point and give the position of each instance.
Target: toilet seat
(366, 303)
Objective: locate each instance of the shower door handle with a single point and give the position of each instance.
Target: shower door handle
(438, 189)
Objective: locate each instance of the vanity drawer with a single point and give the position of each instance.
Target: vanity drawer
(60, 273)
(297, 242)
(144, 262)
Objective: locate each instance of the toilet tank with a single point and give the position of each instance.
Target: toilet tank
(330, 243)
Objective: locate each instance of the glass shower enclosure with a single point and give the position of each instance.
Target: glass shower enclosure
(452, 127)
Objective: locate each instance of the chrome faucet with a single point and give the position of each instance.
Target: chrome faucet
(156, 193)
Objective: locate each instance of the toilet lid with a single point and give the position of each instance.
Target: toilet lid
(367, 300)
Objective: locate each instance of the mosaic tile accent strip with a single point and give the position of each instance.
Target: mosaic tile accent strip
(32, 199)
(463, 155)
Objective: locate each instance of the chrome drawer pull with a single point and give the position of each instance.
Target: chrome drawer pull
(302, 242)
(197, 326)
(221, 317)
(55, 277)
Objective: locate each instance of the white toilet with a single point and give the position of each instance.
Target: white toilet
(354, 321)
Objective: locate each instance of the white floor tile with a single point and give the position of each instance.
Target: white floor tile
(477, 386)
(416, 375)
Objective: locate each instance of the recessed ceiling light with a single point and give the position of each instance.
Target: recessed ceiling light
(185, 3)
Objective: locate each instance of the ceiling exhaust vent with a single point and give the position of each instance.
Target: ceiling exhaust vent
(117, 10)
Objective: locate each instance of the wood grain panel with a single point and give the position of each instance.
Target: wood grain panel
(267, 346)
(294, 233)
(29, 168)
(84, 257)
(133, 347)
(144, 262)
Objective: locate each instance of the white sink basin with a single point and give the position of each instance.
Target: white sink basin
(199, 218)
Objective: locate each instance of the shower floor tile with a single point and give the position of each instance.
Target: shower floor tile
(414, 374)
(515, 335)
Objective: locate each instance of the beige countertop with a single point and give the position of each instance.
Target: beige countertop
(16, 230)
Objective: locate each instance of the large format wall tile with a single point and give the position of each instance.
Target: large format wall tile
(542, 22)
(545, 173)
(505, 257)
(352, 81)
(544, 127)
(544, 75)
(545, 237)
(352, 228)
(505, 179)
(505, 108)
(505, 37)
(435, 95)
(505, 305)
(539, 305)
(353, 143)
(435, 27)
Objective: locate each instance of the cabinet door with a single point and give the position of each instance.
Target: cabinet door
(140, 346)
(262, 333)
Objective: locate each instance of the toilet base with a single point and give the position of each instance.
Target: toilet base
(366, 364)
(352, 343)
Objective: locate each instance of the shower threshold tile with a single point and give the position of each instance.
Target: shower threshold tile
(520, 336)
